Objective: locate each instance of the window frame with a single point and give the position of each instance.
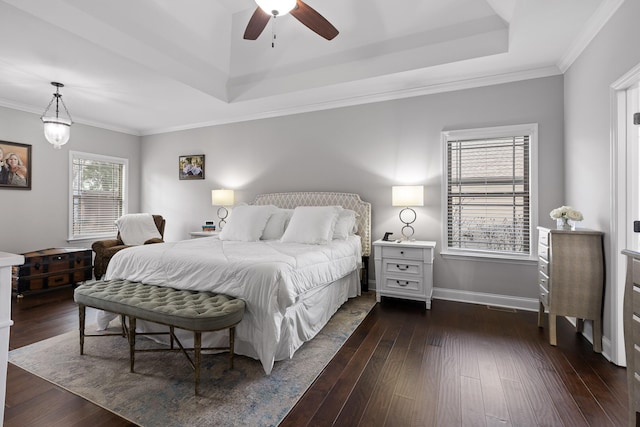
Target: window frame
(531, 130)
(125, 192)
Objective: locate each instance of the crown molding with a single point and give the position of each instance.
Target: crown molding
(429, 89)
(595, 24)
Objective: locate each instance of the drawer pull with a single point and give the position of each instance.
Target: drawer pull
(402, 283)
(58, 279)
(58, 258)
(401, 252)
(403, 268)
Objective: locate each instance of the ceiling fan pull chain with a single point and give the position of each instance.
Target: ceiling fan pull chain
(273, 32)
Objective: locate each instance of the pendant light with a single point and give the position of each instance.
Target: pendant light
(57, 129)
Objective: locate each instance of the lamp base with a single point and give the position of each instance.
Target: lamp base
(407, 233)
(222, 215)
(405, 216)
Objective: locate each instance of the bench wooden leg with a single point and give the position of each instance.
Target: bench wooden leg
(82, 311)
(232, 333)
(132, 341)
(197, 347)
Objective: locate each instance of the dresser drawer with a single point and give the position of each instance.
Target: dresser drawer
(635, 328)
(402, 253)
(404, 285)
(635, 299)
(543, 252)
(543, 266)
(543, 280)
(412, 268)
(543, 239)
(544, 295)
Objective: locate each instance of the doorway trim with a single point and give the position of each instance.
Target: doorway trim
(619, 207)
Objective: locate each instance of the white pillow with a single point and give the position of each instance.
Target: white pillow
(276, 224)
(246, 223)
(135, 229)
(311, 224)
(345, 225)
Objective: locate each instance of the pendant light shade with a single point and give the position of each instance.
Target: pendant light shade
(276, 7)
(57, 129)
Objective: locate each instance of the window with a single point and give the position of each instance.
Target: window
(490, 191)
(97, 195)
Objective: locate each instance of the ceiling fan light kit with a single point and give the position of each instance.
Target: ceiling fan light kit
(300, 10)
(276, 7)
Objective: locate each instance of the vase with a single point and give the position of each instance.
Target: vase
(563, 224)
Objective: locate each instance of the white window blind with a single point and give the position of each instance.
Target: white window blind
(98, 195)
(489, 194)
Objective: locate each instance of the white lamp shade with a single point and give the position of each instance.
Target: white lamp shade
(57, 130)
(222, 197)
(282, 7)
(407, 195)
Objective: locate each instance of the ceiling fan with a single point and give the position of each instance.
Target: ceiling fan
(301, 11)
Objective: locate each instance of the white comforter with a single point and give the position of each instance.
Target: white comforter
(270, 276)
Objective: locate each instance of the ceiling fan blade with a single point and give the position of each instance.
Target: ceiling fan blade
(256, 24)
(314, 21)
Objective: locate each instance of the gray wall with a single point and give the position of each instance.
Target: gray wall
(363, 149)
(38, 219)
(587, 124)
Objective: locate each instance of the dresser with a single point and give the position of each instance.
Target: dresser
(631, 321)
(50, 268)
(404, 270)
(571, 279)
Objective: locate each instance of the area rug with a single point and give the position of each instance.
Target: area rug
(160, 392)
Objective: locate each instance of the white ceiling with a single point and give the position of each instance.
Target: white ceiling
(151, 66)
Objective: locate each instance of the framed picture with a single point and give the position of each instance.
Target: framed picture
(191, 166)
(15, 166)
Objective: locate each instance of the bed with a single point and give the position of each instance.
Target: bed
(305, 263)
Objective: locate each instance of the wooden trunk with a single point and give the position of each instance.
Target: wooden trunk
(50, 268)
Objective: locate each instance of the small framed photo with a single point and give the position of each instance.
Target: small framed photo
(15, 166)
(191, 166)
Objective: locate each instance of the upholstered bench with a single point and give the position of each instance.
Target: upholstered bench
(190, 310)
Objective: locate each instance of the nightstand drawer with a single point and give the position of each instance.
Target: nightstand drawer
(403, 267)
(402, 252)
(404, 285)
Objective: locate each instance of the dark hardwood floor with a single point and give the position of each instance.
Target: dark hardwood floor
(457, 364)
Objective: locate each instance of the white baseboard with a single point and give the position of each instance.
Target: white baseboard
(528, 304)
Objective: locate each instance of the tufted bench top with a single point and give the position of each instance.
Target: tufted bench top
(191, 310)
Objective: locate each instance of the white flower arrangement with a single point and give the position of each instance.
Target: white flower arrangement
(566, 212)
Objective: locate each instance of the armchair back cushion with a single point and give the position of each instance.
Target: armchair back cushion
(106, 249)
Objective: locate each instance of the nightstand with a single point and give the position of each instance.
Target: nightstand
(198, 234)
(404, 269)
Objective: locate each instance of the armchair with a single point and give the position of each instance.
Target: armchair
(106, 249)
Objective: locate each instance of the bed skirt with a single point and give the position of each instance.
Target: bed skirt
(302, 321)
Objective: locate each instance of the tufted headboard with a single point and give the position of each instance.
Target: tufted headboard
(346, 200)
